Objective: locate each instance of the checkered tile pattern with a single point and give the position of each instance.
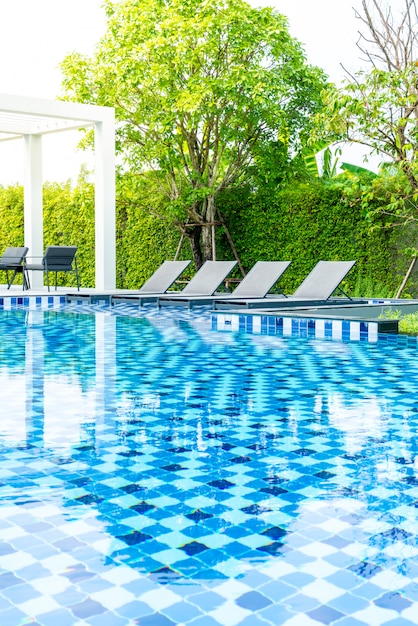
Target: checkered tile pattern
(313, 328)
(10, 303)
(155, 471)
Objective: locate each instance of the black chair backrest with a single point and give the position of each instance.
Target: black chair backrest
(14, 256)
(59, 258)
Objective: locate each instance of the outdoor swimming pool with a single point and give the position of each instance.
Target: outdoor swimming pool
(155, 471)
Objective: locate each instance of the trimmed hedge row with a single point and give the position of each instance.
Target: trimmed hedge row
(307, 222)
(302, 222)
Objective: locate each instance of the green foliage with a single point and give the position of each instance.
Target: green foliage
(366, 285)
(11, 215)
(357, 169)
(68, 220)
(329, 159)
(144, 238)
(308, 221)
(391, 314)
(201, 90)
(309, 155)
(11, 219)
(378, 110)
(408, 324)
(330, 164)
(302, 221)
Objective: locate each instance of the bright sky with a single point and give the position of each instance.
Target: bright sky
(327, 29)
(37, 34)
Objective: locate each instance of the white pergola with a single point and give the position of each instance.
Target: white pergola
(30, 119)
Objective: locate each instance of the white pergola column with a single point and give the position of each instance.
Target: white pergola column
(31, 118)
(105, 227)
(33, 213)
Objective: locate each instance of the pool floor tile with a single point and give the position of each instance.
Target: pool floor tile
(325, 614)
(154, 469)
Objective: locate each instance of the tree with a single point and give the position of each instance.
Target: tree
(378, 107)
(388, 42)
(200, 87)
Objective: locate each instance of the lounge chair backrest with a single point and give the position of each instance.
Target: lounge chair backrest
(208, 278)
(260, 279)
(14, 256)
(323, 280)
(163, 277)
(59, 258)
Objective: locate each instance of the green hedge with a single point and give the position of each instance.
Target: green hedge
(302, 222)
(68, 220)
(309, 221)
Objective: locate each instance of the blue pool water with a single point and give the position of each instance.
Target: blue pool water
(155, 471)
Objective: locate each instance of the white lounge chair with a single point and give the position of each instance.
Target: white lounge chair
(204, 283)
(256, 284)
(316, 289)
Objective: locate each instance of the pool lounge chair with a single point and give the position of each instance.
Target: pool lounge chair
(317, 288)
(56, 259)
(13, 260)
(205, 282)
(160, 281)
(256, 284)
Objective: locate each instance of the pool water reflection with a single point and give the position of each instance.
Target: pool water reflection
(156, 472)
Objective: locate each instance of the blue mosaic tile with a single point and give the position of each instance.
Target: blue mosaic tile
(158, 469)
(156, 620)
(350, 621)
(106, 619)
(253, 600)
(205, 621)
(19, 593)
(59, 616)
(12, 616)
(299, 603)
(348, 603)
(400, 621)
(277, 614)
(394, 601)
(182, 612)
(368, 591)
(334, 330)
(325, 615)
(252, 620)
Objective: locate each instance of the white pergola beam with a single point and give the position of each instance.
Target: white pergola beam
(20, 115)
(13, 128)
(51, 108)
(17, 129)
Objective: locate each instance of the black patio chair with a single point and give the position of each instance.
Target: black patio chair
(56, 259)
(13, 260)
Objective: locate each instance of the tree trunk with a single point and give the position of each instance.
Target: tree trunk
(407, 275)
(207, 229)
(194, 236)
(207, 242)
